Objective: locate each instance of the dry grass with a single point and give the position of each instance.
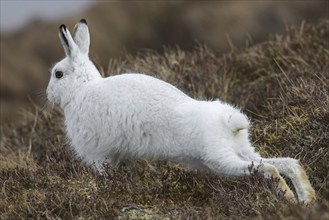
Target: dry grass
(281, 84)
(118, 26)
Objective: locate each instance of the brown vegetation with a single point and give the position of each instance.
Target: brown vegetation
(281, 84)
(26, 56)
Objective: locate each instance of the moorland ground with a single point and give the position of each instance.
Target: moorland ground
(281, 84)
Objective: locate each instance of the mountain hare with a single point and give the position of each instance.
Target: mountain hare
(108, 119)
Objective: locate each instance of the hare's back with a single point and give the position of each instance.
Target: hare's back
(143, 88)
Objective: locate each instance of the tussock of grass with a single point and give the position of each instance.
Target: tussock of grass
(281, 84)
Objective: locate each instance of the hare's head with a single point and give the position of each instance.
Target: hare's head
(76, 69)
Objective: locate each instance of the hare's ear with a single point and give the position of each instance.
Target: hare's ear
(81, 36)
(67, 41)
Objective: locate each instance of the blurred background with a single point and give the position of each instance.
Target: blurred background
(30, 45)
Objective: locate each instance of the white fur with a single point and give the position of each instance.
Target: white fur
(108, 119)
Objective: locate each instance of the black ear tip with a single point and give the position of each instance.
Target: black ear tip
(62, 27)
(83, 21)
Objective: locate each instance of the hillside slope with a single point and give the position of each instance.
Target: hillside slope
(281, 84)
(118, 26)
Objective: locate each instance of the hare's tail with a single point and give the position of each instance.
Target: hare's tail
(237, 122)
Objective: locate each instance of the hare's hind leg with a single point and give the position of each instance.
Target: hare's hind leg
(232, 165)
(293, 170)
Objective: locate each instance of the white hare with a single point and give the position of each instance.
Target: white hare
(108, 119)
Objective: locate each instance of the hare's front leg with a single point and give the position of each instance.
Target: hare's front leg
(293, 170)
(231, 164)
(99, 159)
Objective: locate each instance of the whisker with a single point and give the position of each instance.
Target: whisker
(41, 95)
(42, 98)
(46, 107)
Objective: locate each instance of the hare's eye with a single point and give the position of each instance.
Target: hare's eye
(59, 74)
